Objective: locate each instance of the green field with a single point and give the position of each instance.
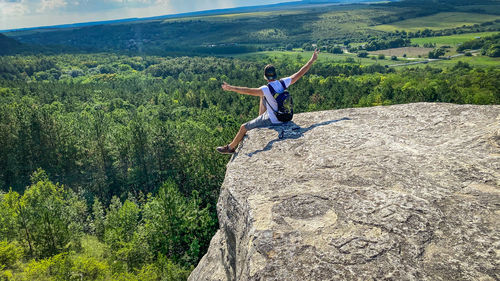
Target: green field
(233, 16)
(451, 40)
(478, 61)
(474, 61)
(438, 21)
(292, 55)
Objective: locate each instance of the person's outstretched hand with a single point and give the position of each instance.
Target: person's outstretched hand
(315, 55)
(226, 86)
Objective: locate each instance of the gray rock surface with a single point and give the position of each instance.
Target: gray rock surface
(404, 192)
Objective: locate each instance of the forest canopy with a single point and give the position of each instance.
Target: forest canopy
(123, 149)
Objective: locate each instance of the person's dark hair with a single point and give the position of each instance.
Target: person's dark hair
(270, 72)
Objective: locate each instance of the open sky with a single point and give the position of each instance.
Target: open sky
(34, 13)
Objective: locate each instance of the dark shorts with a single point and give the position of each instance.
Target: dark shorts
(259, 122)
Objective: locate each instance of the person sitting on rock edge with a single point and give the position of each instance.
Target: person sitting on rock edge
(266, 116)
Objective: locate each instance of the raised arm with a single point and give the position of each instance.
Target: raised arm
(305, 68)
(243, 90)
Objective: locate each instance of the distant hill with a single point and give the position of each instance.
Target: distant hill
(282, 26)
(246, 9)
(229, 31)
(8, 45)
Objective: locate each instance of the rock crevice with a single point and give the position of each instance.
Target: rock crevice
(404, 192)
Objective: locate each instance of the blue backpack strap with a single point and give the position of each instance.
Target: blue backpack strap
(273, 92)
(283, 84)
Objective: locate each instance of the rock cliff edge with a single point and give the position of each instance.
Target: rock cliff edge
(403, 192)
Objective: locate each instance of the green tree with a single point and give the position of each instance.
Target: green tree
(98, 219)
(436, 53)
(494, 50)
(363, 54)
(9, 227)
(10, 253)
(45, 215)
(122, 222)
(176, 227)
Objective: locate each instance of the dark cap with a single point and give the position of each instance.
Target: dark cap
(270, 72)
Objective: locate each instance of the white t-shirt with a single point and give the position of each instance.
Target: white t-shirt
(270, 99)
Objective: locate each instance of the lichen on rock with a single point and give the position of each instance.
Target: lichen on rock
(403, 192)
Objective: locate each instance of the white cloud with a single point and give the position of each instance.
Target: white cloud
(125, 2)
(13, 9)
(47, 5)
(31, 13)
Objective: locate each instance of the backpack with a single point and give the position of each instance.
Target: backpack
(285, 103)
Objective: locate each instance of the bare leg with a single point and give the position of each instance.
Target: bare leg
(239, 136)
(241, 133)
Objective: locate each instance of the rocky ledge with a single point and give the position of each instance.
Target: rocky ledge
(404, 192)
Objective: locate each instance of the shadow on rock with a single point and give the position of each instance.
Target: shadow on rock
(290, 130)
